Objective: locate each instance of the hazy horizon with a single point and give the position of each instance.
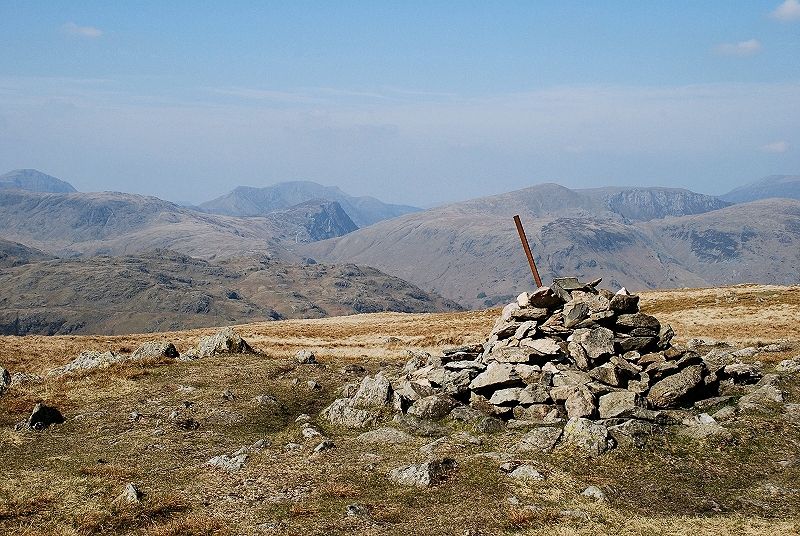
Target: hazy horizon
(411, 103)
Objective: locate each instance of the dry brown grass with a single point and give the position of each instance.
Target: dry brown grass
(65, 480)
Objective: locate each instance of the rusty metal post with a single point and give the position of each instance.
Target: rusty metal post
(527, 249)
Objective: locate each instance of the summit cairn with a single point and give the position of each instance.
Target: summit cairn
(584, 361)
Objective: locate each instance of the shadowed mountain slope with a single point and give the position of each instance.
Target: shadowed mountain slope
(164, 290)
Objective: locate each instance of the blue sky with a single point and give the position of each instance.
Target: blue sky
(416, 102)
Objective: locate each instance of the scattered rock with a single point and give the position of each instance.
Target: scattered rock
(423, 475)
(342, 413)
(587, 436)
(130, 495)
(593, 492)
(542, 439)
(432, 407)
(373, 392)
(228, 463)
(153, 349)
(305, 357)
(226, 341)
(326, 444)
(789, 365)
(526, 472)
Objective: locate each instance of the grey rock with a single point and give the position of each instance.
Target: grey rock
(673, 389)
(153, 349)
(341, 413)
(325, 444)
(619, 404)
(578, 355)
(356, 509)
(432, 407)
(725, 414)
(634, 343)
(496, 376)
(789, 365)
(633, 432)
(541, 439)
(465, 365)
(130, 495)
(526, 472)
(533, 394)
(607, 373)
(743, 372)
(506, 397)
(87, 360)
(305, 357)
(581, 403)
(545, 298)
(624, 303)
(574, 312)
(525, 329)
(536, 413)
(587, 436)
(544, 346)
(638, 320)
(593, 492)
(466, 414)
(510, 355)
(228, 463)
(761, 398)
(226, 341)
(373, 392)
(488, 425)
(597, 342)
(423, 475)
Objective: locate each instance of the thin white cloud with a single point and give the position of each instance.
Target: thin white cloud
(775, 147)
(742, 49)
(91, 32)
(788, 11)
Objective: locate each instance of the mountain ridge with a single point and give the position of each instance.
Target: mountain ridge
(249, 201)
(34, 181)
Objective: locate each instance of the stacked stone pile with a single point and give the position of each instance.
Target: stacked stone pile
(568, 351)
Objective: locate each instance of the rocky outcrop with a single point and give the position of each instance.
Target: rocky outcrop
(226, 341)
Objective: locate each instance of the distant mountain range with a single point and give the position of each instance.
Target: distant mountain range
(467, 252)
(246, 201)
(787, 186)
(633, 237)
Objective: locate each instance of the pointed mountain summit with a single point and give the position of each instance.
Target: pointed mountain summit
(248, 201)
(34, 181)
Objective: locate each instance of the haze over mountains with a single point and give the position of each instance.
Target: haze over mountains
(787, 186)
(246, 201)
(467, 252)
(634, 237)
